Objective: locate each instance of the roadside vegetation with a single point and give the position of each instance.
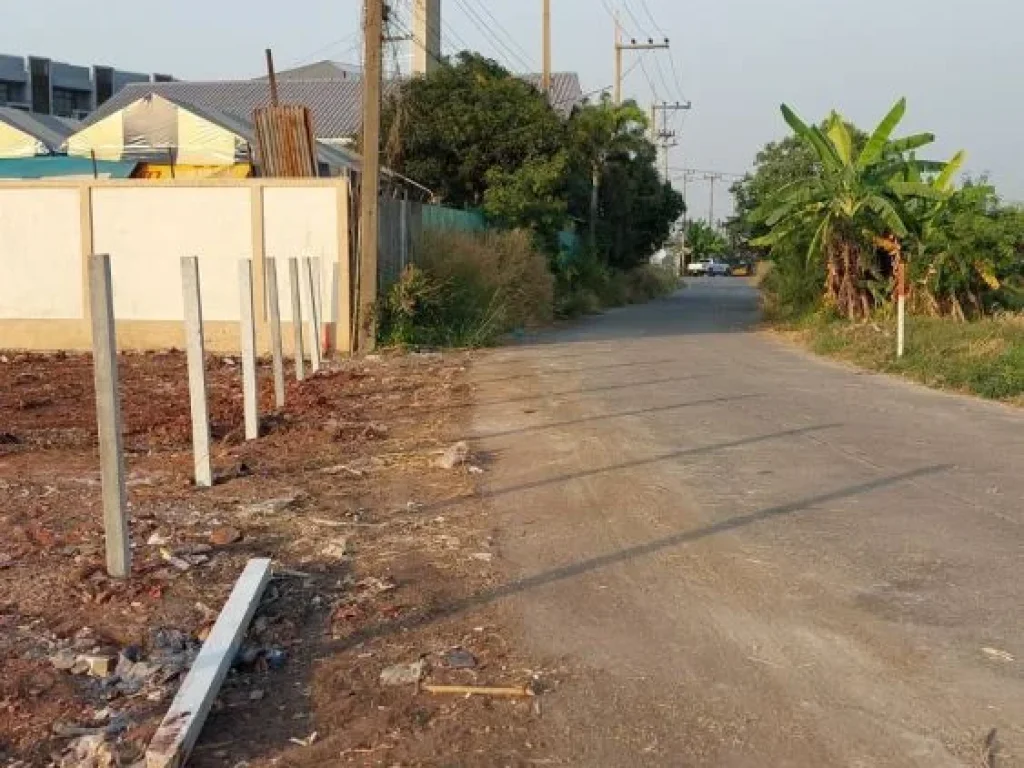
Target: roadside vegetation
(575, 206)
(839, 211)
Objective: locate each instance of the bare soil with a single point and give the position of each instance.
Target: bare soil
(374, 566)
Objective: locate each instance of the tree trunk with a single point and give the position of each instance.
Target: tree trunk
(595, 184)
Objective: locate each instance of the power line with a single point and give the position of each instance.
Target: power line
(501, 28)
(482, 27)
(629, 12)
(647, 10)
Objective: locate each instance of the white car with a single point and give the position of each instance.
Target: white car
(711, 268)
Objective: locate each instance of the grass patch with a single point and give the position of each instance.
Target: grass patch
(984, 357)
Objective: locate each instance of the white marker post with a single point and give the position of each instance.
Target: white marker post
(192, 295)
(901, 307)
(108, 418)
(314, 319)
(276, 344)
(248, 331)
(300, 353)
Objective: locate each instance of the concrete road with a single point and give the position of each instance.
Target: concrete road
(746, 556)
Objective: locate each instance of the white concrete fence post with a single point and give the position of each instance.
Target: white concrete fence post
(300, 352)
(195, 351)
(309, 292)
(276, 344)
(108, 418)
(250, 390)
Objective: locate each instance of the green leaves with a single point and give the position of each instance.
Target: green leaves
(876, 144)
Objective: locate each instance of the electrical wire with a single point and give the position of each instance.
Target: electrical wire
(503, 30)
(482, 27)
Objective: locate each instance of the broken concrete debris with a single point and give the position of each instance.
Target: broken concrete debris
(403, 674)
(454, 456)
(459, 658)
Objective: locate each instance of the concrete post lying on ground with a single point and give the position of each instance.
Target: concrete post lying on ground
(108, 418)
(300, 353)
(309, 293)
(192, 295)
(250, 391)
(276, 345)
(181, 726)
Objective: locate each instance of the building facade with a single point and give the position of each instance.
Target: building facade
(40, 85)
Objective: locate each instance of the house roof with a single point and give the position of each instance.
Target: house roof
(336, 103)
(319, 70)
(244, 128)
(51, 131)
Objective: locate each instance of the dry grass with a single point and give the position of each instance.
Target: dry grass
(983, 357)
(468, 289)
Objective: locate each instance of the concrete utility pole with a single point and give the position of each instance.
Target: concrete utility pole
(369, 198)
(426, 36)
(712, 177)
(545, 80)
(632, 45)
(665, 137)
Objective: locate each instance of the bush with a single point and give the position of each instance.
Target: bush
(467, 290)
(650, 281)
(586, 285)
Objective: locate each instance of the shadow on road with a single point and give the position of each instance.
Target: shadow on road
(699, 450)
(619, 415)
(572, 570)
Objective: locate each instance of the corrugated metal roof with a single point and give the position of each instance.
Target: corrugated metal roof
(566, 91)
(319, 70)
(336, 104)
(51, 131)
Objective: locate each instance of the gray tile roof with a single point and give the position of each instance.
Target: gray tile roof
(336, 104)
(51, 131)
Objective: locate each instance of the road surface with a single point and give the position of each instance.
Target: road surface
(747, 556)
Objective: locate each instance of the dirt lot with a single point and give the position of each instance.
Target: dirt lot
(342, 491)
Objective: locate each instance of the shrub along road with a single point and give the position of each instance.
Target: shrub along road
(751, 557)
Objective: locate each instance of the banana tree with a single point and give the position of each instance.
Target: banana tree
(856, 198)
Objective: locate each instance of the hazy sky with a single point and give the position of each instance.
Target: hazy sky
(737, 59)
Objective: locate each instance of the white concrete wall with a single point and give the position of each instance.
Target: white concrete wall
(40, 254)
(47, 230)
(146, 231)
(301, 223)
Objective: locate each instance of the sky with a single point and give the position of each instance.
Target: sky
(735, 60)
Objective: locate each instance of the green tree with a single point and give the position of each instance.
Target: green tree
(704, 241)
(599, 133)
(452, 128)
(858, 199)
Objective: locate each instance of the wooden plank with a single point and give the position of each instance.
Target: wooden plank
(300, 353)
(247, 326)
(180, 728)
(195, 351)
(343, 318)
(108, 418)
(276, 344)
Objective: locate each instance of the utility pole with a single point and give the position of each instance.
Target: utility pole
(545, 80)
(632, 45)
(374, 12)
(712, 177)
(665, 137)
